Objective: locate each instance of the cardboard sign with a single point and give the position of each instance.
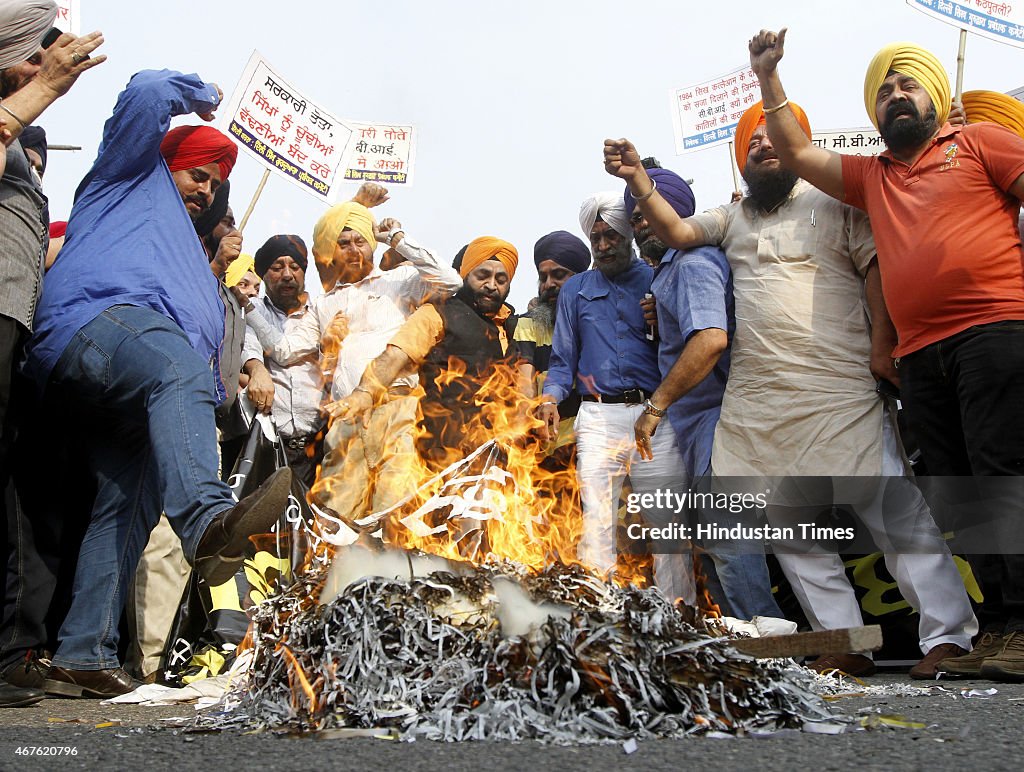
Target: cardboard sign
(381, 152)
(705, 114)
(997, 21)
(286, 130)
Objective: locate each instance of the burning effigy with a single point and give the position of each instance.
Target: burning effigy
(475, 623)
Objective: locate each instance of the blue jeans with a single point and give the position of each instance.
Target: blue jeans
(735, 571)
(147, 399)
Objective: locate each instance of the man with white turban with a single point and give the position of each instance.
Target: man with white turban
(943, 202)
(600, 350)
(349, 326)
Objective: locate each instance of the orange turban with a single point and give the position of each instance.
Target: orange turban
(753, 118)
(486, 247)
(993, 107)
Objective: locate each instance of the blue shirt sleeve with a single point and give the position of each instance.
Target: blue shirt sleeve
(701, 300)
(141, 118)
(565, 345)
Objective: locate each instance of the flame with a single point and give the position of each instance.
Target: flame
(502, 497)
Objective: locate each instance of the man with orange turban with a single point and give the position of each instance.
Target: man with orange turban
(364, 307)
(943, 202)
(800, 398)
(127, 338)
(455, 345)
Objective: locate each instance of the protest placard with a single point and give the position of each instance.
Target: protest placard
(997, 21)
(850, 141)
(705, 114)
(286, 130)
(382, 153)
(69, 16)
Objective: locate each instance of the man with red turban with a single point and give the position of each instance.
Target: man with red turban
(128, 337)
(800, 398)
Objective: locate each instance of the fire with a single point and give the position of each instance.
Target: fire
(508, 505)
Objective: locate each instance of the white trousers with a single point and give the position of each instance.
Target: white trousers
(929, 582)
(605, 453)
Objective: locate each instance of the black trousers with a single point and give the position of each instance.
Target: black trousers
(47, 497)
(964, 399)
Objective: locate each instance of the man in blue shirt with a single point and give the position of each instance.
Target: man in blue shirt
(696, 321)
(128, 334)
(600, 347)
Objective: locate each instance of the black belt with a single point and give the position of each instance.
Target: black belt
(628, 397)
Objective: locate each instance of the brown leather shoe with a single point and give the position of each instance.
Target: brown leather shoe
(222, 548)
(1008, 663)
(843, 664)
(928, 668)
(969, 665)
(28, 673)
(100, 684)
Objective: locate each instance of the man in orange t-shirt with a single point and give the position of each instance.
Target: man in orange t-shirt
(943, 204)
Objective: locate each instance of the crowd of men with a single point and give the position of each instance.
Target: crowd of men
(774, 318)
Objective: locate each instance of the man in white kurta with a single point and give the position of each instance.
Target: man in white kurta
(800, 400)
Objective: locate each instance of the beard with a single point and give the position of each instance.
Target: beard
(768, 186)
(653, 249)
(623, 257)
(543, 314)
(9, 82)
(907, 134)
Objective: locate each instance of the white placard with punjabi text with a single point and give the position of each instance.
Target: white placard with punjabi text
(850, 141)
(705, 114)
(69, 16)
(382, 153)
(997, 21)
(284, 129)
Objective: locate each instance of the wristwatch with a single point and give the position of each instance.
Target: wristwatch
(650, 409)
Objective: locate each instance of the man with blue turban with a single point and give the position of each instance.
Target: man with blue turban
(800, 398)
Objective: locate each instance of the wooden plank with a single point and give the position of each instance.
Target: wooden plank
(845, 641)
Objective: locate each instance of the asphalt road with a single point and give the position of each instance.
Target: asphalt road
(960, 734)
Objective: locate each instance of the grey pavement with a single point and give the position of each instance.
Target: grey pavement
(959, 734)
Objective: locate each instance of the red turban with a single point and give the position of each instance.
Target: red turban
(753, 118)
(187, 147)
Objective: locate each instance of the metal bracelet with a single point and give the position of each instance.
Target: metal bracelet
(651, 409)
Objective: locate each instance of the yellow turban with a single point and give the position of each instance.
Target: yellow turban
(754, 117)
(348, 215)
(919, 64)
(993, 107)
(486, 247)
(239, 267)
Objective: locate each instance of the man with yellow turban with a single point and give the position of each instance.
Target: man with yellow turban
(455, 345)
(943, 202)
(800, 397)
(363, 470)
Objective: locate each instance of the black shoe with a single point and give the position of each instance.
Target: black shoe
(101, 684)
(29, 673)
(18, 696)
(222, 548)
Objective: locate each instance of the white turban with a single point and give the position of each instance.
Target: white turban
(23, 25)
(610, 208)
